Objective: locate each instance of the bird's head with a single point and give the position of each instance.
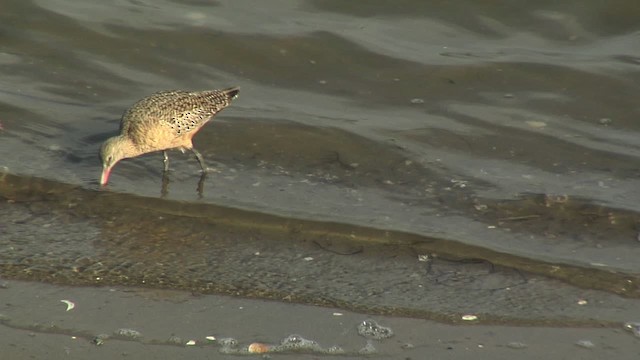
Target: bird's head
(112, 151)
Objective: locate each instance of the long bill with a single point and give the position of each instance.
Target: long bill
(104, 178)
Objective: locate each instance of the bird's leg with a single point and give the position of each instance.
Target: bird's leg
(200, 159)
(200, 188)
(164, 190)
(165, 160)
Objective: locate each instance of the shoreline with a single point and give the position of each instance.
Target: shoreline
(36, 323)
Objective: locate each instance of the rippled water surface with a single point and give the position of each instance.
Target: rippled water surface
(511, 128)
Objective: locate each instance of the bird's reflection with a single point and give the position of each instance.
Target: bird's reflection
(164, 190)
(200, 188)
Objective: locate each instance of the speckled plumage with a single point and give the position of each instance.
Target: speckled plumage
(164, 120)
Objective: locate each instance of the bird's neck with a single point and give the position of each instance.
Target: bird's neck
(127, 146)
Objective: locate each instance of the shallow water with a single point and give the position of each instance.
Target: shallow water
(510, 130)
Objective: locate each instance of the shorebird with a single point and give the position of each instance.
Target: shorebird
(162, 121)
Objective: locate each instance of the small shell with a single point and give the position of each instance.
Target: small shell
(190, 343)
(258, 348)
(469, 317)
(70, 304)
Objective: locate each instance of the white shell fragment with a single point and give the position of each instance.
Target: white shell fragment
(211, 338)
(634, 327)
(70, 304)
(469, 317)
(190, 343)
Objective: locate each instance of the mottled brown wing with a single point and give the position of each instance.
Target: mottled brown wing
(150, 110)
(174, 113)
(195, 109)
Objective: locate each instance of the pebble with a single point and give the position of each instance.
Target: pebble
(258, 348)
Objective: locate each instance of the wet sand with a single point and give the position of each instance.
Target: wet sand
(35, 324)
(64, 234)
(162, 266)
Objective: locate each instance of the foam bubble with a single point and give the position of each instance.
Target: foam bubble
(228, 342)
(298, 343)
(228, 345)
(371, 329)
(368, 349)
(128, 333)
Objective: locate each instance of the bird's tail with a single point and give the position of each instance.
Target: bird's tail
(232, 93)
